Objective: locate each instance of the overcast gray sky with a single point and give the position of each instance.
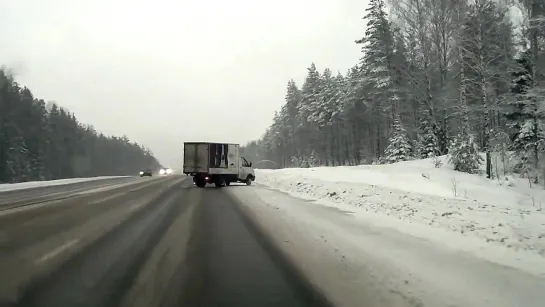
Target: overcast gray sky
(167, 71)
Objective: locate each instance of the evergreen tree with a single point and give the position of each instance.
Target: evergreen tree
(399, 147)
(309, 110)
(430, 144)
(464, 154)
(37, 144)
(418, 146)
(526, 117)
(377, 72)
(463, 151)
(442, 68)
(377, 49)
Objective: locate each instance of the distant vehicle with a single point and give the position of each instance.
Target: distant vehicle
(165, 171)
(217, 163)
(146, 172)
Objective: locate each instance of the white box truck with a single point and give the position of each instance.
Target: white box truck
(217, 163)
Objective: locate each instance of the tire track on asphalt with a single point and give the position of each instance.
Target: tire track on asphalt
(34, 201)
(20, 249)
(100, 274)
(231, 262)
(9, 196)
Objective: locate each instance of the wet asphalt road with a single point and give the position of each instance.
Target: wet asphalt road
(145, 242)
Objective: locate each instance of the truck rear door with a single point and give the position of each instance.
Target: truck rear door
(195, 158)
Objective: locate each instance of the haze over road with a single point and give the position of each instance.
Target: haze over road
(138, 242)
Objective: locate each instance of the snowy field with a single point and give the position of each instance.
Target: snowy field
(36, 184)
(417, 198)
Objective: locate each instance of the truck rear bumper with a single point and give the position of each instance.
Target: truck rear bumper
(213, 178)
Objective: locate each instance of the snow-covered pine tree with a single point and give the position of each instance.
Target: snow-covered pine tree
(464, 154)
(463, 151)
(525, 117)
(313, 160)
(425, 25)
(338, 120)
(25, 162)
(308, 111)
(356, 113)
(486, 54)
(528, 142)
(293, 98)
(399, 146)
(377, 46)
(418, 67)
(417, 146)
(533, 12)
(326, 107)
(376, 66)
(430, 144)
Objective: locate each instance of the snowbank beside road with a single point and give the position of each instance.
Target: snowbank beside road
(369, 262)
(507, 212)
(36, 184)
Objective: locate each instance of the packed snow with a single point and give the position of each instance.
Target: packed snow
(507, 211)
(36, 184)
(366, 259)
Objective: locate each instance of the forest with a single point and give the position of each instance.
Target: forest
(40, 140)
(435, 77)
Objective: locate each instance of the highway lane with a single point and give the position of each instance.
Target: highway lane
(231, 263)
(28, 196)
(35, 238)
(162, 242)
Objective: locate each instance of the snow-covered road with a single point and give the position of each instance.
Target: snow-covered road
(359, 261)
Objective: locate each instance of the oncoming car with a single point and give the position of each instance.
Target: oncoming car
(165, 171)
(146, 172)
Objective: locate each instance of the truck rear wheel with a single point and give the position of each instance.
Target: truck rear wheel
(219, 181)
(200, 183)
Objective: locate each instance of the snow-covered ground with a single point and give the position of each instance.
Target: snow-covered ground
(369, 259)
(417, 198)
(35, 184)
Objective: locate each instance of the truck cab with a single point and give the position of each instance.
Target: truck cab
(217, 163)
(246, 173)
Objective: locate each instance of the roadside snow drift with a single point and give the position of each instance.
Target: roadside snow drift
(508, 212)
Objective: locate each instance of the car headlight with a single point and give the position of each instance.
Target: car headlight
(162, 171)
(141, 173)
(169, 171)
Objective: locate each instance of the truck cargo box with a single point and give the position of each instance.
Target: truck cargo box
(211, 158)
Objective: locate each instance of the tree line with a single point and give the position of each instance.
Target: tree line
(435, 77)
(42, 141)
